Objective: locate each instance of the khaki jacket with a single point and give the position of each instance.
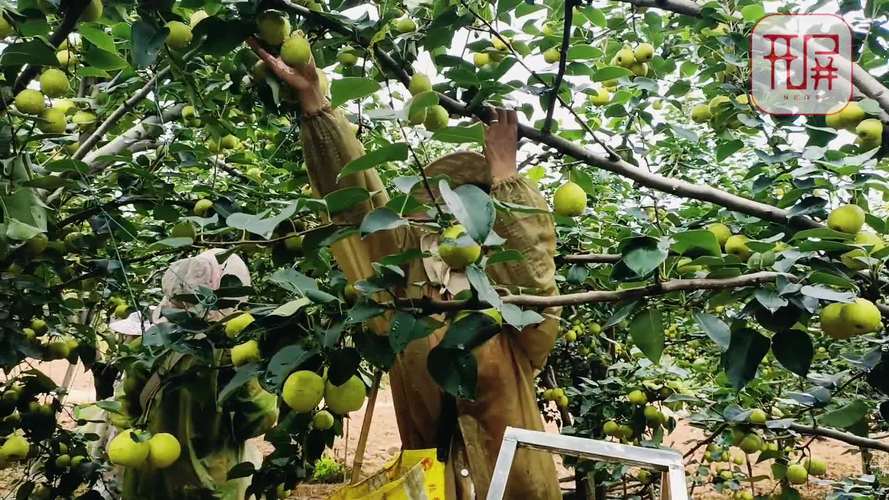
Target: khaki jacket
(507, 363)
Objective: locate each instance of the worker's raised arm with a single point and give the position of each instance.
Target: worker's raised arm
(329, 144)
(532, 234)
(328, 139)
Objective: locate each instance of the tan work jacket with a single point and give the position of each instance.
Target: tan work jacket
(507, 363)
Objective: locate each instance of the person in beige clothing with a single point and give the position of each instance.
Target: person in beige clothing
(507, 362)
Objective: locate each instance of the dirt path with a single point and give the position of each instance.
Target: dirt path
(383, 442)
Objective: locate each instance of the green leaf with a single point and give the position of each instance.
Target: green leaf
(406, 328)
(344, 199)
(752, 13)
(290, 308)
(715, 328)
(243, 375)
(472, 207)
(351, 87)
(647, 332)
(222, 36)
(381, 219)
(455, 370)
(96, 36)
(458, 135)
(846, 416)
(147, 41)
(823, 293)
(793, 349)
(746, 349)
(611, 73)
(104, 60)
(728, 148)
(343, 363)
(696, 243)
(643, 255)
(34, 51)
(284, 362)
(387, 153)
(172, 242)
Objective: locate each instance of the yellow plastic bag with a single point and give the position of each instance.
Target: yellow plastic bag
(412, 475)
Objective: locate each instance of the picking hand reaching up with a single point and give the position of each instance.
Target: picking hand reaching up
(303, 79)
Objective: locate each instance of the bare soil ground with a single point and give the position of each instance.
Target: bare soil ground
(383, 443)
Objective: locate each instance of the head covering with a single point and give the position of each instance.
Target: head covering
(185, 276)
(462, 167)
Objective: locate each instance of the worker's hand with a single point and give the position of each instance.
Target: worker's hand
(304, 80)
(501, 143)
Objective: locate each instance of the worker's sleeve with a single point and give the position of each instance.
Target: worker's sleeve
(532, 235)
(329, 144)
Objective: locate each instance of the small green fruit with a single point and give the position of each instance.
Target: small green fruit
(861, 316)
(569, 200)
(737, 245)
(870, 132)
(455, 255)
(847, 219)
(202, 207)
(246, 352)
(644, 52)
(163, 450)
(796, 474)
(701, 113)
(405, 25)
(757, 416)
(637, 397)
(53, 121)
(54, 83)
(322, 420)
(66, 58)
(274, 28)
(436, 117)
(625, 58)
(237, 324)
(419, 83)
(125, 450)
(481, 59)
(296, 52)
(180, 35)
(92, 12)
(551, 56)
(303, 391)
(30, 102)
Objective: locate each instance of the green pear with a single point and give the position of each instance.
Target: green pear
(847, 219)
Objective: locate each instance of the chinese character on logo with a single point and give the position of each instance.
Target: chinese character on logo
(801, 64)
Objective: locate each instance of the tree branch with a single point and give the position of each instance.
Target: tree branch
(845, 437)
(146, 129)
(119, 202)
(563, 63)
(658, 182)
(867, 84)
(69, 22)
(591, 258)
(118, 113)
(600, 296)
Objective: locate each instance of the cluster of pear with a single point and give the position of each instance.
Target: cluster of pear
(732, 244)
(53, 119)
(569, 200)
(432, 117)
(556, 395)
(635, 60)
(304, 390)
(52, 347)
(844, 320)
(852, 118)
(133, 448)
(579, 329)
(849, 219)
(654, 418)
(703, 113)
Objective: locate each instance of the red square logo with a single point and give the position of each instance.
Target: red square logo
(801, 64)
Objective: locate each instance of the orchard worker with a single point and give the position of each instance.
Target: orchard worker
(181, 394)
(509, 361)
